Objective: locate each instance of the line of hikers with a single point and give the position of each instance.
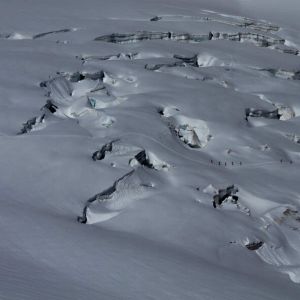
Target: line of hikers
(219, 163)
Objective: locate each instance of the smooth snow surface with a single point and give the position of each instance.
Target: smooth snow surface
(150, 149)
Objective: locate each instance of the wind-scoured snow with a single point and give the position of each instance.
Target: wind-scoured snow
(149, 150)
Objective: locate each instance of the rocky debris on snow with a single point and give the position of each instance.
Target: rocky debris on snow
(138, 36)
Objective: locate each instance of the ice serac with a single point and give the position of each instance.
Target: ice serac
(35, 123)
(192, 132)
(256, 38)
(148, 160)
(282, 227)
(260, 113)
(223, 194)
(112, 201)
(120, 38)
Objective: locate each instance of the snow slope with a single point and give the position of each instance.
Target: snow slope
(123, 126)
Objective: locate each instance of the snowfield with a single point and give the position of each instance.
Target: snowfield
(149, 150)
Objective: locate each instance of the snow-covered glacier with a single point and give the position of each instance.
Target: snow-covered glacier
(149, 149)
